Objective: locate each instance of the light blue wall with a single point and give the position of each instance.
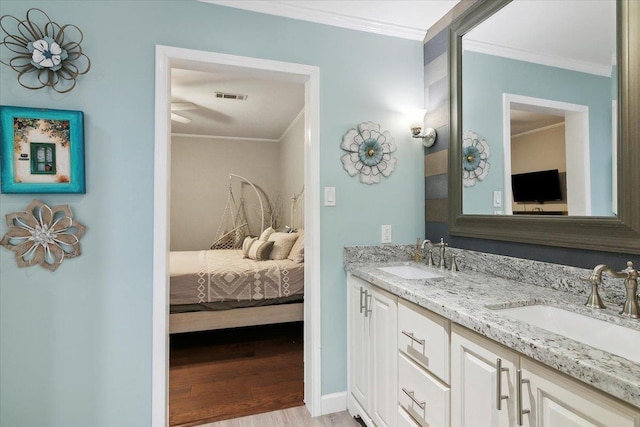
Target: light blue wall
(76, 344)
(486, 78)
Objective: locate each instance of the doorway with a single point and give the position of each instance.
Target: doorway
(166, 59)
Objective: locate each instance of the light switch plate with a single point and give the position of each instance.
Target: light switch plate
(329, 196)
(385, 234)
(497, 199)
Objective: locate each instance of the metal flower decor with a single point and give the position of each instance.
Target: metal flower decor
(475, 155)
(368, 152)
(43, 52)
(43, 235)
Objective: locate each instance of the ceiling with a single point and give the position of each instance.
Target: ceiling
(274, 101)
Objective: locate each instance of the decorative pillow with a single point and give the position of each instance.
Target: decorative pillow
(282, 244)
(260, 250)
(266, 233)
(248, 241)
(297, 251)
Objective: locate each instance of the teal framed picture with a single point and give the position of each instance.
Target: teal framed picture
(42, 150)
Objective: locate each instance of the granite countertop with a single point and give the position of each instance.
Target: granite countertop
(465, 298)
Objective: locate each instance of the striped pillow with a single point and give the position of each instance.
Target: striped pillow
(260, 250)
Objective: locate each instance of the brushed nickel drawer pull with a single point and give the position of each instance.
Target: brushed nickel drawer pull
(499, 396)
(411, 395)
(519, 381)
(362, 291)
(410, 335)
(367, 302)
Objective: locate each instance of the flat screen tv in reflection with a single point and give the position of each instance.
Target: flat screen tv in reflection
(536, 187)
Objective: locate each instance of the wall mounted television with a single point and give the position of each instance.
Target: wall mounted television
(536, 187)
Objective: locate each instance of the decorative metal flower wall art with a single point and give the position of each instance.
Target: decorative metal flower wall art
(475, 156)
(43, 235)
(42, 52)
(368, 152)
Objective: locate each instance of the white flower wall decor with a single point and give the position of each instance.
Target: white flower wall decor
(43, 235)
(475, 156)
(368, 152)
(43, 52)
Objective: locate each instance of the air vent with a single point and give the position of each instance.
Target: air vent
(235, 96)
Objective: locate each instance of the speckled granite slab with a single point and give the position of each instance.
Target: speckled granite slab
(554, 276)
(470, 298)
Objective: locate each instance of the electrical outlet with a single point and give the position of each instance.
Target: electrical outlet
(386, 234)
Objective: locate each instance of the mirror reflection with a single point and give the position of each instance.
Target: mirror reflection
(539, 110)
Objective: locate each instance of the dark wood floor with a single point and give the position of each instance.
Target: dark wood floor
(217, 375)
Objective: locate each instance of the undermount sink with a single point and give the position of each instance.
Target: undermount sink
(597, 333)
(410, 272)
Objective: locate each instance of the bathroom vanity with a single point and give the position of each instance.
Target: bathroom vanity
(441, 351)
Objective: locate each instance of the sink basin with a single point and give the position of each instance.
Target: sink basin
(597, 333)
(411, 272)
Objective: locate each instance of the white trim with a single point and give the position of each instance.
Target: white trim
(293, 11)
(577, 148)
(537, 58)
(167, 58)
(232, 138)
(334, 402)
(160, 290)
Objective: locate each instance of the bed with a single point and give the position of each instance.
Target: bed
(215, 289)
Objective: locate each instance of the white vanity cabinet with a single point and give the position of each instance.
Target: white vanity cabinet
(545, 398)
(481, 370)
(555, 400)
(423, 366)
(373, 355)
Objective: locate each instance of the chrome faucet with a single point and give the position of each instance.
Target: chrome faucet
(442, 245)
(429, 253)
(630, 276)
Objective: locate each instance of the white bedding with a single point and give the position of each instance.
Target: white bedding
(224, 275)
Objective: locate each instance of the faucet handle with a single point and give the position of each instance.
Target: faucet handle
(454, 262)
(594, 300)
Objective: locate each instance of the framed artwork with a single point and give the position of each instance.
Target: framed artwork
(42, 151)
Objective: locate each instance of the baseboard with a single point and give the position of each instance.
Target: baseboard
(334, 402)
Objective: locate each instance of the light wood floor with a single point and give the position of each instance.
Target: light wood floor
(292, 417)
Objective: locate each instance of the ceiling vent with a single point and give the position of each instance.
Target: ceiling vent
(223, 95)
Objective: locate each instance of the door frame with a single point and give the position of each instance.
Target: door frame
(169, 57)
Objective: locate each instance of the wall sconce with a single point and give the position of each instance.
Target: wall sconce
(417, 121)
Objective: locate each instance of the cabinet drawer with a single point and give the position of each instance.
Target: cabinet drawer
(424, 336)
(404, 420)
(421, 395)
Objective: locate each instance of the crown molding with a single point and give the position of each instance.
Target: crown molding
(293, 11)
(232, 138)
(537, 58)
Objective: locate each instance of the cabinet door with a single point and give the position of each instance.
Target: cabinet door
(384, 358)
(359, 354)
(555, 400)
(474, 381)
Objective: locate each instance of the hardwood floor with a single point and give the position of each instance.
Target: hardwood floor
(218, 375)
(294, 417)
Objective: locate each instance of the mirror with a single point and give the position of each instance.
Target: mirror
(587, 198)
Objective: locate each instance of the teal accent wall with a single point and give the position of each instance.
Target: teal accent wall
(75, 345)
(484, 81)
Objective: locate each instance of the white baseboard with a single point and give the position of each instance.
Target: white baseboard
(334, 402)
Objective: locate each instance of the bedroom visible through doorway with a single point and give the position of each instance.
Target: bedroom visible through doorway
(220, 180)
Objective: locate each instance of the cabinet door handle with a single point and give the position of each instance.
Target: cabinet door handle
(519, 410)
(410, 335)
(367, 301)
(499, 396)
(362, 291)
(412, 396)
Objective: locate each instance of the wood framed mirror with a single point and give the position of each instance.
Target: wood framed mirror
(619, 232)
